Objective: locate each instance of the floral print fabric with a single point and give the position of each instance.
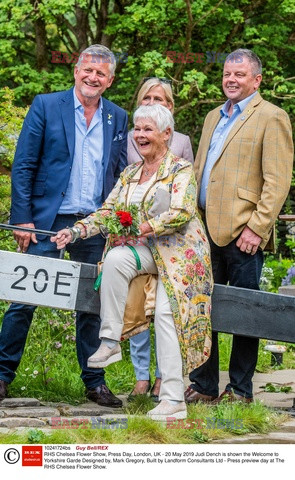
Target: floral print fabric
(180, 248)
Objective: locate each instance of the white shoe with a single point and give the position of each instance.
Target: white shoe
(165, 409)
(104, 356)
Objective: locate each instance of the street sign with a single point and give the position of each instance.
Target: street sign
(39, 280)
(69, 286)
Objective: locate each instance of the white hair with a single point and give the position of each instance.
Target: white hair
(158, 114)
(99, 54)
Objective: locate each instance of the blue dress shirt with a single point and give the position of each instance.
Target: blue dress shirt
(219, 136)
(84, 192)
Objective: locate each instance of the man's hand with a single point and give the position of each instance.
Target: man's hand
(248, 241)
(24, 238)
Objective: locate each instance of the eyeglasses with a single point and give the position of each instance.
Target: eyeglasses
(163, 80)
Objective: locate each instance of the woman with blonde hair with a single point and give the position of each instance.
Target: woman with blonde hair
(158, 90)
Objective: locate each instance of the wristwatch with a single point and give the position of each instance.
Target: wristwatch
(104, 231)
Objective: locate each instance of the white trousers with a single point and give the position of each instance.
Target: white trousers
(118, 270)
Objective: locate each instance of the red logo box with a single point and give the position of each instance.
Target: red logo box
(32, 456)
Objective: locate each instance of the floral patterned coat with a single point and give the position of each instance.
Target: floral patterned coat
(180, 248)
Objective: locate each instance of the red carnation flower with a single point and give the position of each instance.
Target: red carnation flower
(125, 218)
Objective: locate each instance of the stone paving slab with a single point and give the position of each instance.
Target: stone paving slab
(21, 422)
(19, 414)
(19, 402)
(64, 422)
(87, 409)
(270, 399)
(35, 412)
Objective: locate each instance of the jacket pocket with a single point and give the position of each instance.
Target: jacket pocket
(248, 195)
(39, 184)
(161, 202)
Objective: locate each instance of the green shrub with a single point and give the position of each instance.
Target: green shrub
(11, 120)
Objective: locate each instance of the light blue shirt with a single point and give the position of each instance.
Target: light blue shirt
(219, 136)
(84, 192)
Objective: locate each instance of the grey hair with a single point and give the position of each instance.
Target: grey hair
(158, 113)
(99, 53)
(255, 61)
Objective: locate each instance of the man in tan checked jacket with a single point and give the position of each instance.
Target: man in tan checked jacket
(243, 169)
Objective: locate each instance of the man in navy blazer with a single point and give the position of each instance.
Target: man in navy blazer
(70, 153)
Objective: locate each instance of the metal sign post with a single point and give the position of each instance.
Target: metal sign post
(49, 233)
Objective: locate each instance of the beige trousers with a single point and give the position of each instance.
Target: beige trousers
(118, 270)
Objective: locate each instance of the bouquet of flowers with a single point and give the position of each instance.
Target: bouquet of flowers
(121, 222)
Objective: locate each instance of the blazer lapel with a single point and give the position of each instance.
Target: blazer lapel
(68, 118)
(243, 118)
(207, 139)
(107, 122)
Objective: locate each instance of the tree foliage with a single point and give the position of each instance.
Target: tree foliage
(200, 32)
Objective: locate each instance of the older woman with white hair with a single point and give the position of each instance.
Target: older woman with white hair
(154, 90)
(172, 244)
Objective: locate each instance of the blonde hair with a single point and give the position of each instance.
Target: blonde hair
(155, 82)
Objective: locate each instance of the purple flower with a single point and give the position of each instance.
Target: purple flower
(287, 280)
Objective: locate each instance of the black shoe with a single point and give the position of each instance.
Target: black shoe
(3, 390)
(154, 397)
(104, 397)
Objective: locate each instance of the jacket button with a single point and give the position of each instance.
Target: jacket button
(62, 194)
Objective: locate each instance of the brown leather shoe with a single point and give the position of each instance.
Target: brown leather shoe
(104, 397)
(3, 389)
(230, 396)
(142, 387)
(192, 396)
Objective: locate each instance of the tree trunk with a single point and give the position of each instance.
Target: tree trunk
(81, 28)
(40, 39)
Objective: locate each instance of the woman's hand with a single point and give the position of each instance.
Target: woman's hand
(62, 238)
(146, 230)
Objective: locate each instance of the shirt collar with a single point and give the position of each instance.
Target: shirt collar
(238, 106)
(78, 104)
